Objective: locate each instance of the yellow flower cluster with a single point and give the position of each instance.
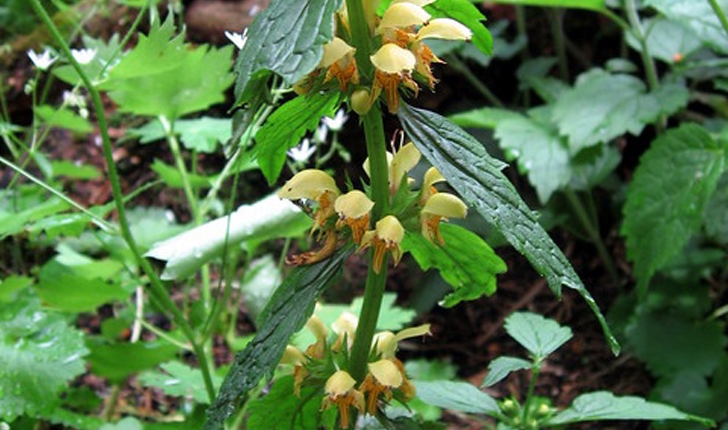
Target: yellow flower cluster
(350, 213)
(326, 360)
(400, 56)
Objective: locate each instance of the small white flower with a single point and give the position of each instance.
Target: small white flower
(337, 122)
(83, 56)
(302, 152)
(73, 99)
(238, 39)
(43, 60)
(319, 136)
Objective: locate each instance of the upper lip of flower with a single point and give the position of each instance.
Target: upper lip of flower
(43, 60)
(238, 39)
(302, 152)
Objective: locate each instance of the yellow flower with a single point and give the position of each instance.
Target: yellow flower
(402, 162)
(387, 342)
(340, 391)
(345, 328)
(393, 65)
(316, 185)
(298, 359)
(387, 236)
(440, 206)
(432, 176)
(439, 28)
(338, 58)
(319, 330)
(353, 209)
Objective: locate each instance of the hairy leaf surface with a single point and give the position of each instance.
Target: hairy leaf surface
(479, 180)
(285, 314)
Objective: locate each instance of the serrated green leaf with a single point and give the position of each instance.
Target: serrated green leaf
(538, 149)
(666, 39)
(596, 5)
(63, 118)
(689, 391)
(200, 134)
(501, 367)
(698, 16)
(540, 336)
(667, 198)
(71, 170)
(698, 346)
(169, 79)
(287, 39)
(96, 69)
(40, 354)
(467, 14)
(286, 126)
(285, 314)
(478, 179)
(23, 210)
(602, 106)
(116, 361)
(603, 405)
(266, 219)
(716, 212)
(465, 262)
(179, 380)
(292, 412)
(456, 396)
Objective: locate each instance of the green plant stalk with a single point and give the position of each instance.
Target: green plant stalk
(523, 33)
(100, 222)
(593, 232)
(525, 418)
(719, 13)
(556, 18)
(630, 10)
(457, 64)
(379, 175)
(155, 283)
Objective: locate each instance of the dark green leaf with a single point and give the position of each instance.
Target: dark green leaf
(287, 125)
(501, 367)
(285, 314)
(40, 354)
(466, 13)
(667, 198)
(479, 180)
(466, 262)
(603, 405)
(540, 336)
(456, 396)
(292, 412)
(118, 360)
(699, 17)
(716, 212)
(597, 5)
(287, 39)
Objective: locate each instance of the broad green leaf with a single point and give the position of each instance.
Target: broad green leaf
(200, 134)
(667, 198)
(486, 117)
(456, 396)
(540, 336)
(73, 289)
(292, 412)
(689, 391)
(287, 39)
(538, 149)
(716, 212)
(189, 79)
(465, 262)
(40, 354)
(172, 177)
(74, 419)
(603, 405)
(698, 16)
(96, 69)
(466, 13)
(116, 361)
(596, 5)
(602, 106)
(287, 125)
(667, 40)
(286, 313)
(478, 179)
(259, 282)
(698, 346)
(501, 367)
(428, 370)
(11, 284)
(63, 118)
(71, 170)
(590, 171)
(67, 224)
(179, 380)
(266, 219)
(17, 213)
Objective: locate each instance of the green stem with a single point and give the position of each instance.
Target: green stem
(361, 39)
(556, 18)
(367, 322)
(155, 283)
(593, 232)
(630, 10)
(457, 64)
(378, 166)
(529, 396)
(719, 13)
(523, 34)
